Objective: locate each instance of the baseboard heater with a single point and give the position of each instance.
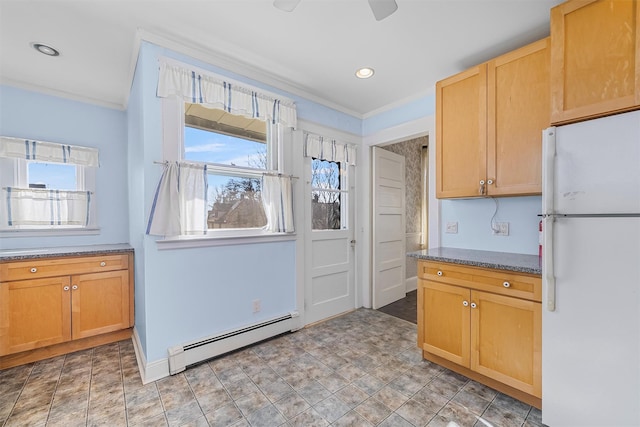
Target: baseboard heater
(180, 357)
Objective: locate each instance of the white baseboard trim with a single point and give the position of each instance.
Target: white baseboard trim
(411, 283)
(149, 372)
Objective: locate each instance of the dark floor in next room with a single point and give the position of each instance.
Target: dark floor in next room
(405, 308)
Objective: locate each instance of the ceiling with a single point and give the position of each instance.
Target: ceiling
(313, 51)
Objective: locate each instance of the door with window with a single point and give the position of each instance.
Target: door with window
(330, 244)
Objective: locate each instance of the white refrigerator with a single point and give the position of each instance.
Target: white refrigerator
(591, 273)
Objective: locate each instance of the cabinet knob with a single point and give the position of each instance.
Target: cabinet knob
(102, 264)
(465, 303)
(74, 287)
(506, 284)
(439, 273)
(481, 190)
(489, 182)
(66, 288)
(473, 305)
(33, 269)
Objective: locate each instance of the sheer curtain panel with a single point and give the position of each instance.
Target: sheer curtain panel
(179, 206)
(277, 199)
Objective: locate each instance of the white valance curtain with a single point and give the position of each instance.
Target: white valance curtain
(198, 88)
(43, 151)
(277, 199)
(180, 203)
(325, 148)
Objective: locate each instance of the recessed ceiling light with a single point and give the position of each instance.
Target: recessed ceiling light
(364, 73)
(47, 50)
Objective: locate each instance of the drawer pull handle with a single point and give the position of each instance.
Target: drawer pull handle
(66, 288)
(473, 305)
(439, 273)
(33, 269)
(102, 264)
(465, 303)
(74, 287)
(506, 284)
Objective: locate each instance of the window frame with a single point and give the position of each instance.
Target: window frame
(16, 173)
(173, 147)
(343, 191)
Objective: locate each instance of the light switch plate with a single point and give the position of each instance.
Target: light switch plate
(452, 227)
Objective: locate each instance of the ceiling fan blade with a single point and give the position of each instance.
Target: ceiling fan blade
(286, 5)
(382, 8)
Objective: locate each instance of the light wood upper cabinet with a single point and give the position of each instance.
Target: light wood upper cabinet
(595, 59)
(518, 111)
(489, 122)
(461, 135)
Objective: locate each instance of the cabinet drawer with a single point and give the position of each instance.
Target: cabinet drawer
(51, 267)
(502, 282)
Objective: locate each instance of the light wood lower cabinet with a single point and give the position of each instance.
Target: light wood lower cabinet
(43, 313)
(491, 335)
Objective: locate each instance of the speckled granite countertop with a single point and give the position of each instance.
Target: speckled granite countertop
(499, 260)
(21, 254)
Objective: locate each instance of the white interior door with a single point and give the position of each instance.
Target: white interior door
(329, 240)
(389, 250)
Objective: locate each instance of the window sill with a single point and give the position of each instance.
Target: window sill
(49, 232)
(227, 239)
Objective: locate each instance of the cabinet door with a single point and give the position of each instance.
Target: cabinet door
(461, 137)
(506, 340)
(595, 65)
(34, 313)
(100, 303)
(518, 111)
(445, 322)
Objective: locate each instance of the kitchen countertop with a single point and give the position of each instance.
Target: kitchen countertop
(520, 263)
(23, 254)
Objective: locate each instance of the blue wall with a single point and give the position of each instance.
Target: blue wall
(474, 224)
(187, 294)
(42, 117)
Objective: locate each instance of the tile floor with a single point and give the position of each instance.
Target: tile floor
(360, 369)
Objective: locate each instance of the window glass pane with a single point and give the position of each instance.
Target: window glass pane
(326, 198)
(206, 146)
(235, 202)
(325, 208)
(57, 176)
(325, 174)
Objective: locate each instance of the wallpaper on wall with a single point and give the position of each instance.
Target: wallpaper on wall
(412, 152)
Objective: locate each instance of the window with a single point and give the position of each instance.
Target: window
(46, 186)
(328, 199)
(237, 152)
(57, 176)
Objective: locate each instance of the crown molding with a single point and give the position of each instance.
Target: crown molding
(61, 94)
(400, 102)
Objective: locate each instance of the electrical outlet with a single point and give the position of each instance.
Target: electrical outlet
(256, 305)
(452, 227)
(501, 229)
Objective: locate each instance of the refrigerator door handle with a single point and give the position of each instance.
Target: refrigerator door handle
(548, 279)
(548, 167)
